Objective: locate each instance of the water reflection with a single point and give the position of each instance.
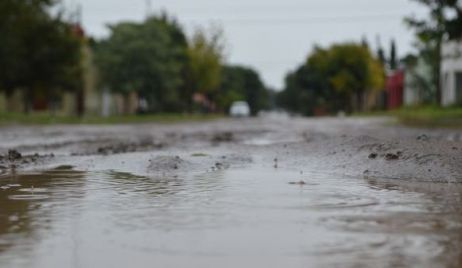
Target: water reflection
(27, 202)
(440, 216)
(127, 183)
(226, 218)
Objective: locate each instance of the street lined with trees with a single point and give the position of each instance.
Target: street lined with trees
(42, 57)
(332, 79)
(167, 71)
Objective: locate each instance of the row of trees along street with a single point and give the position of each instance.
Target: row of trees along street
(41, 55)
(174, 73)
(348, 76)
(332, 79)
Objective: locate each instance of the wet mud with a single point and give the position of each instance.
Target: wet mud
(264, 192)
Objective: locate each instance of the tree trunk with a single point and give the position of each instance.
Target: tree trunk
(27, 98)
(80, 103)
(126, 103)
(359, 101)
(52, 102)
(438, 72)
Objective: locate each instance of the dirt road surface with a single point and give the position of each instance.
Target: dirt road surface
(368, 146)
(271, 191)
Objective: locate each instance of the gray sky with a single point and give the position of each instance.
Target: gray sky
(273, 36)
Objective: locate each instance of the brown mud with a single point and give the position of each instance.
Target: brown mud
(258, 192)
(353, 147)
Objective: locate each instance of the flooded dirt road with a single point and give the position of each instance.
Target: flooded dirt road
(265, 192)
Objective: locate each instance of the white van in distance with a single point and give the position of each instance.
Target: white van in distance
(239, 109)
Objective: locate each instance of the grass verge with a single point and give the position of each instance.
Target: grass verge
(430, 116)
(425, 116)
(46, 119)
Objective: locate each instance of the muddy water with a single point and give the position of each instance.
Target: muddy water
(251, 217)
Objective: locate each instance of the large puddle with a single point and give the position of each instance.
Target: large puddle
(249, 217)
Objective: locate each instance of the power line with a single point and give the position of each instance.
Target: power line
(307, 20)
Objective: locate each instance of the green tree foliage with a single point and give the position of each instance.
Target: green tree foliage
(332, 79)
(149, 58)
(445, 18)
(381, 55)
(205, 57)
(393, 58)
(155, 59)
(39, 52)
(241, 83)
(306, 90)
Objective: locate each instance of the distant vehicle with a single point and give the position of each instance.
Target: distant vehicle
(239, 109)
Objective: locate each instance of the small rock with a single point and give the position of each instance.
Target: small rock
(297, 182)
(391, 156)
(14, 155)
(422, 137)
(218, 165)
(223, 137)
(373, 156)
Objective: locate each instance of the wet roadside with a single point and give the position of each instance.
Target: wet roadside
(308, 193)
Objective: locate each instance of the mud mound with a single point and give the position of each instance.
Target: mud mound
(168, 164)
(14, 159)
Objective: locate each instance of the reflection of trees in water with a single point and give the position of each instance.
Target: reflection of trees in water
(27, 201)
(161, 202)
(442, 215)
(166, 185)
(127, 183)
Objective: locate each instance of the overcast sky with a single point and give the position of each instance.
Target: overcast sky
(273, 36)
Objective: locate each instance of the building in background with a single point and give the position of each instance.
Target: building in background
(418, 85)
(394, 84)
(451, 73)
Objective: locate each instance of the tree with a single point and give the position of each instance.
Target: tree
(333, 79)
(39, 52)
(205, 57)
(393, 58)
(148, 58)
(241, 83)
(353, 70)
(381, 55)
(364, 42)
(444, 21)
(305, 90)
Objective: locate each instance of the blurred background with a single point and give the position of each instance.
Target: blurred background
(75, 59)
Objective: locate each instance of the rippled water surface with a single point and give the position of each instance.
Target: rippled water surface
(247, 217)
